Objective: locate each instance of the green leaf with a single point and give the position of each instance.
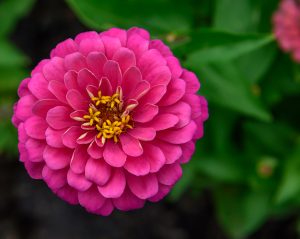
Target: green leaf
(230, 47)
(226, 87)
(10, 78)
(154, 15)
(235, 16)
(241, 211)
(10, 12)
(290, 187)
(10, 56)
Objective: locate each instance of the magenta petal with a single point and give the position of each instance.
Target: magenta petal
(36, 127)
(192, 82)
(55, 179)
(112, 71)
(175, 91)
(34, 169)
(78, 181)
(113, 154)
(75, 61)
(172, 152)
(35, 149)
(54, 69)
(187, 151)
(131, 146)
(57, 158)
(86, 35)
(163, 121)
(143, 187)
(38, 86)
(91, 45)
(41, 107)
(128, 201)
(39, 67)
(155, 157)
(111, 44)
(125, 58)
(105, 86)
(106, 209)
(91, 199)
(95, 151)
(170, 174)
(161, 47)
(154, 95)
(23, 87)
(116, 33)
(64, 48)
(139, 90)
(85, 77)
(182, 110)
(22, 135)
(70, 136)
(115, 186)
(139, 31)
(130, 79)
(174, 66)
(58, 89)
(150, 60)
(97, 171)
(137, 44)
(59, 117)
(162, 192)
(179, 136)
(96, 61)
(159, 76)
(24, 106)
(79, 159)
(137, 166)
(54, 137)
(145, 113)
(70, 80)
(68, 194)
(76, 100)
(86, 138)
(144, 134)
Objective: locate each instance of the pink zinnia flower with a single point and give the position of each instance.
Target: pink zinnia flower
(287, 27)
(108, 119)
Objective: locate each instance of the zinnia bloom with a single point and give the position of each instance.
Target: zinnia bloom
(287, 27)
(108, 120)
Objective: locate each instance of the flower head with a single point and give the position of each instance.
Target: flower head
(108, 120)
(287, 27)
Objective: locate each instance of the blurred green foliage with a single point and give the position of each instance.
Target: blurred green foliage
(249, 157)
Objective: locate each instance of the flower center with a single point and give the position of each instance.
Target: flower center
(107, 116)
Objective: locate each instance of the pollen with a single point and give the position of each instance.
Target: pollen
(107, 116)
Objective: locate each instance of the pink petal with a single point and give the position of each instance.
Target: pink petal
(154, 95)
(36, 127)
(70, 80)
(139, 90)
(34, 169)
(155, 157)
(195, 102)
(115, 186)
(64, 48)
(137, 44)
(79, 159)
(112, 71)
(86, 138)
(159, 76)
(172, 152)
(179, 136)
(131, 78)
(91, 199)
(59, 117)
(144, 134)
(140, 31)
(145, 114)
(125, 58)
(143, 187)
(38, 86)
(130, 145)
(137, 166)
(117, 33)
(35, 149)
(174, 66)
(75, 61)
(96, 62)
(39, 67)
(106, 209)
(71, 135)
(85, 78)
(76, 100)
(54, 137)
(111, 45)
(161, 47)
(97, 171)
(68, 194)
(54, 69)
(113, 154)
(163, 121)
(58, 89)
(170, 174)
(91, 45)
(175, 91)
(41, 107)
(128, 201)
(162, 192)
(105, 86)
(192, 82)
(23, 87)
(78, 181)
(57, 158)
(22, 136)
(55, 179)
(150, 60)
(86, 35)
(187, 151)
(24, 106)
(95, 151)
